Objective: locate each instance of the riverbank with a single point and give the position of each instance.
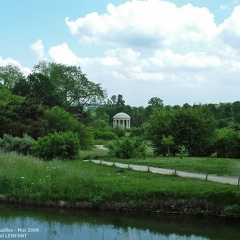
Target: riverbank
(150, 206)
(85, 185)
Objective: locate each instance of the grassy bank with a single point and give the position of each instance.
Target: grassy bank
(25, 179)
(219, 166)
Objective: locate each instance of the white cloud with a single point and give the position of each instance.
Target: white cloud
(7, 61)
(151, 23)
(152, 48)
(38, 48)
(62, 54)
(229, 30)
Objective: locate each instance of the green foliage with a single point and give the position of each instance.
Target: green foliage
(105, 134)
(31, 180)
(137, 132)
(59, 145)
(227, 143)
(9, 75)
(156, 102)
(160, 125)
(71, 85)
(96, 201)
(167, 142)
(120, 132)
(193, 128)
(60, 120)
(127, 147)
(19, 116)
(231, 211)
(16, 144)
(99, 124)
(38, 86)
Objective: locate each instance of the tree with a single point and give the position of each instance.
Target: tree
(9, 75)
(40, 87)
(168, 142)
(120, 101)
(193, 128)
(227, 143)
(60, 120)
(159, 126)
(156, 102)
(112, 101)
(58, 145)
(19, 116)
(71, 84)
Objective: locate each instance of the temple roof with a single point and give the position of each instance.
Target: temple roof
(121, 115)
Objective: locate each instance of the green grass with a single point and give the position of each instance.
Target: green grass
(25, 178)
(209, 165)
(94, 153)
(219, 166)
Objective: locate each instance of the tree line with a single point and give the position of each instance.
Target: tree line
(60, 98)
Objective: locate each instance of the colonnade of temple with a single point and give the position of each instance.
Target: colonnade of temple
(123, 123)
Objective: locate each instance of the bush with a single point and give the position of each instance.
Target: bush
(137, 132)
(104, 134)
(61, 145)
(60, 120)
(128, 148)
(231, 211)
(16, 144)
(227, 143)
(120, 132)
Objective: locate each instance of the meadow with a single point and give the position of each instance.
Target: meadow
(209, 165)
(76, 182)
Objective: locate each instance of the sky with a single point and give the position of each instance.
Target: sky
(179, 51)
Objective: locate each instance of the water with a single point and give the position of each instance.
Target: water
(31, 223)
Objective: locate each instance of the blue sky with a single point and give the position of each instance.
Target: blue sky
(181, 51)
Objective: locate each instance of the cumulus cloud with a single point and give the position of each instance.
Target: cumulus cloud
(229, 30)
(11, 61)
(151, 23)
(38, 48)
(153, 48)
(62, 54)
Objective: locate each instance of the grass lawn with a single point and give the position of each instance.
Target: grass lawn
(25, 177)
(210, 165)
(30, 180)
(219, 166)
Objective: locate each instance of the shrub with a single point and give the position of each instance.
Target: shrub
(16, 144)
(227, 143)
(120, 132)
(60, 120)
(137, 131)
(231, 211)
(127, 148)
(104, 134)
(61, 145)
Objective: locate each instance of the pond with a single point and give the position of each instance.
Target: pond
(32, 223)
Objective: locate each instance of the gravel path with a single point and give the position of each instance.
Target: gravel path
(202, 176)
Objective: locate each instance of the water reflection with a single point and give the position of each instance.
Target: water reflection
(65, 224)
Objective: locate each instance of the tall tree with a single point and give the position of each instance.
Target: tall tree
(71, 84)
(9, 75)
(39, 86)
(159, 126)
(19, 116)
(193, 128)
(156, 102)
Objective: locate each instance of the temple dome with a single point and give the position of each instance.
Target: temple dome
(121, 115)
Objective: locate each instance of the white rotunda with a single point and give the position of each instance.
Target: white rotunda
(121, 120)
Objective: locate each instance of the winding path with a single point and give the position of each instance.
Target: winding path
(233, 180)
